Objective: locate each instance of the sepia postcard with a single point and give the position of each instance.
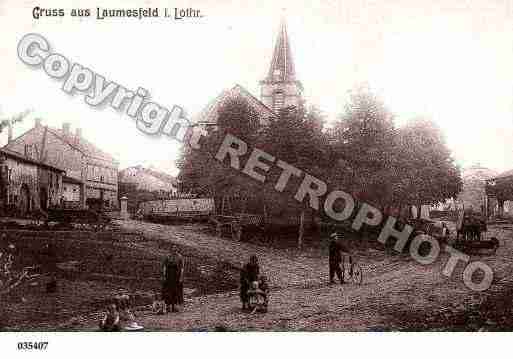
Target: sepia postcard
(218, 166)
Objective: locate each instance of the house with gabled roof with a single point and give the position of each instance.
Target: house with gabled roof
(148, 179)
(90, 171)
(139, 184)
(27, 185)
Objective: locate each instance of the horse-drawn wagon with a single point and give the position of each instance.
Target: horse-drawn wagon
(471, 237)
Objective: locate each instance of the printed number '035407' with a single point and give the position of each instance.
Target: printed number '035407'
(32, 345)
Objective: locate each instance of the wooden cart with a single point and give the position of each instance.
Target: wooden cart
(235, 223)
(83, 218)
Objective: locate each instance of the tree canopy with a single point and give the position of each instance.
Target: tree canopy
(364, 153)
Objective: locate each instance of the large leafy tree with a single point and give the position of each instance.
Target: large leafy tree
(428, 172)
(296, 137)
(362, 148)
(199, 170)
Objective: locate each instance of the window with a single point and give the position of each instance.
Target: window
(276, 75)
(278, 100)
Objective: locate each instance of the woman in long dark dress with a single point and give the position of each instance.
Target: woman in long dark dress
(170, 286)
(244, 286)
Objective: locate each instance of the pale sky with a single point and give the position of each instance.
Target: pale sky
(450, 60)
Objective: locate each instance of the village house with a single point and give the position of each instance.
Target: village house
(499, 194)
(27, 185)
(91, 174)
(140, 184)
(148, 179)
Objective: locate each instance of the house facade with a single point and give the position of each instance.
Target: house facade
(89, 171)
(27, 185)
(139, 184)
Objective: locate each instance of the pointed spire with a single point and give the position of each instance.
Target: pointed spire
(282, 64)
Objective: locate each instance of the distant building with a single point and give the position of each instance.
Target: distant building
(141, 184)
(473, 194)
(89, 171)
(147, 179)
(27, 185)
(499, 194)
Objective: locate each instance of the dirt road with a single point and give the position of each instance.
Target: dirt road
(397, 293)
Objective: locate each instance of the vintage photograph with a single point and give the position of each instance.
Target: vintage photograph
(214, 166)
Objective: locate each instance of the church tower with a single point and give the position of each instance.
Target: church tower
(280, 89)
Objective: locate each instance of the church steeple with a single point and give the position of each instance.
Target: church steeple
(282, 64)
(280, 88)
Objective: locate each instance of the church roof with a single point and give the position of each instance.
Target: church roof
(282, 64)
(209, 114)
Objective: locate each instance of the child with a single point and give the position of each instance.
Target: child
(126, 317)
(258, 294)
(159, 307)
(110, 322)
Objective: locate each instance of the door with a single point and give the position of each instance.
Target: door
(24, 201)
(43, 198)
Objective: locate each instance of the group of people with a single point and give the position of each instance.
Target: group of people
(118, 315)
(253, 285)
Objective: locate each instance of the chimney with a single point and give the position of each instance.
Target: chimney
(9, 133)
(37, 122)
(78, 133)
(65, 128)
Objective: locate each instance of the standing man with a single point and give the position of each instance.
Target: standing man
(335, 258)
(244, 287)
